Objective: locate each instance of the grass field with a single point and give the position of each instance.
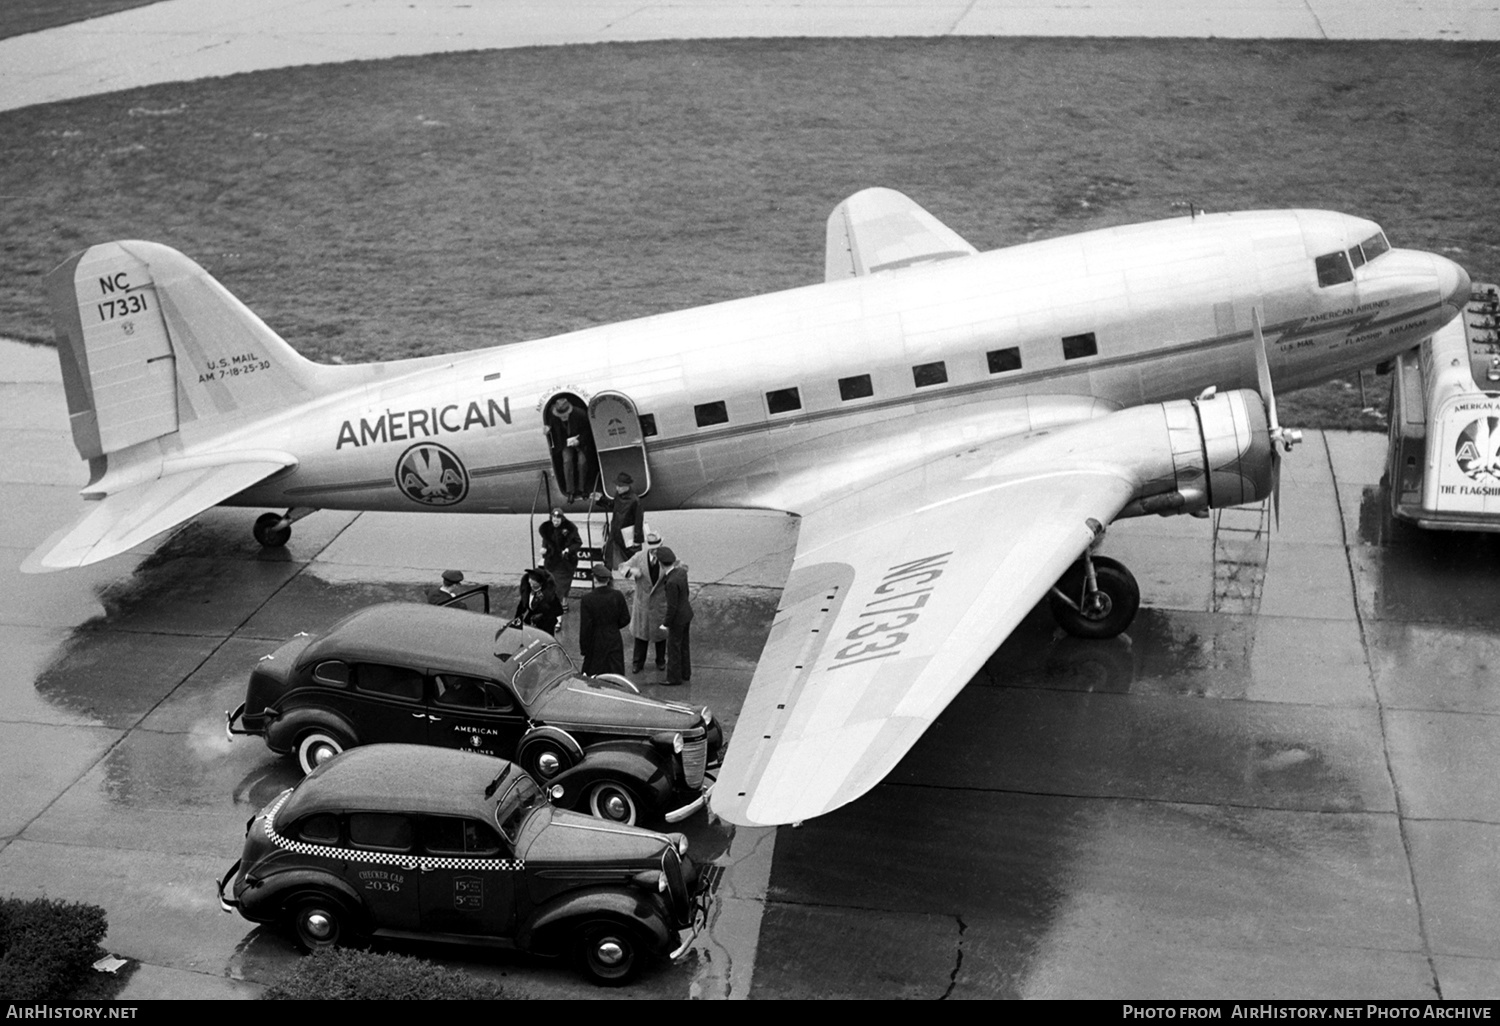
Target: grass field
(393, 208)
(18, 17)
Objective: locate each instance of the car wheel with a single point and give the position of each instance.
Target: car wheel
(614, 802)
(318, 921)
(318, 746)
(1112, 610)
(609, 954)
(545, 759)
(268, 534)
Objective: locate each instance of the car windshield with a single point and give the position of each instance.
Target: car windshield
(540, 670)
(516, 804)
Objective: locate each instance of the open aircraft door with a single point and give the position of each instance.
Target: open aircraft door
(620, 443)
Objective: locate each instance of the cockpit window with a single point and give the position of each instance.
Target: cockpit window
(1374, 246)
(1334, 269)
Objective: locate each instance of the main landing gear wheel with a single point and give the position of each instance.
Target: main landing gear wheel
(272, 530)
(1102, 612)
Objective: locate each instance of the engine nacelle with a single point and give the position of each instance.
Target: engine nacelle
(1221, 455)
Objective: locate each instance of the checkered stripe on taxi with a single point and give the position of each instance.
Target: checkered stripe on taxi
(382, 858)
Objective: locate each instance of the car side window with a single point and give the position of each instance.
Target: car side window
(322, 828)
(469, 693)
(331, 671)
(380, 831)
(391, 681)
(452, 835)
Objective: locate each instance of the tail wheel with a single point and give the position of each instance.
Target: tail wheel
(608, 953)
(614, 802)
(320, 921)
(318, 746)
(271, 531)
(1103, 613)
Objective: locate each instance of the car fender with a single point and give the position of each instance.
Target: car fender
(567, 742)
(262, 901)
(547, 930)
(282, 732)
(640, 764)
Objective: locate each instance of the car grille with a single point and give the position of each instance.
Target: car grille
(694, 761)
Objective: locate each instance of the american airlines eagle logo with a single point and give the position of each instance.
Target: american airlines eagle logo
(1478, 449)
(432, 475)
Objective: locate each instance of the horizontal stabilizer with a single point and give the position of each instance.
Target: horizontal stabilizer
(882, 230)
(132, 515)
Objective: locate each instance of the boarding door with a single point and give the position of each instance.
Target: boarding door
(619, 441)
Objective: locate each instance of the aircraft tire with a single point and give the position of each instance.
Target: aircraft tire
(268, 533)
(1120, 600)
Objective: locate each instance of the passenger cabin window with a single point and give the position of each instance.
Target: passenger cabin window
(709, 414)
(924, 374)
(450, 835)
(391, 681)
(1002, 360)
(1078, 346)
(380, 831)
(648, 425)
(1334, 269)
(332, 672)
(857, 387)
(783, 400)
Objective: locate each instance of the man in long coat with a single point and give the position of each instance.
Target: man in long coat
(648, 606)
(601, 615)
(678, 616)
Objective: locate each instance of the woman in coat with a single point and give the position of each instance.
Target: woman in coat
(539, 606)
(561, 544)
(648, 607)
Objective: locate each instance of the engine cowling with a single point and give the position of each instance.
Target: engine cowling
(1221, 455)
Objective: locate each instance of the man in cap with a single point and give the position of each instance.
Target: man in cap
(451, 581)
(648, 606)
(627, 513)
(678, 615)
(602, 613)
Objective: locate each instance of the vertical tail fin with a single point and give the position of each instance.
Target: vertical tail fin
(151, 345)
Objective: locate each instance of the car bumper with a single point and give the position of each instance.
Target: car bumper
(234, 723)
(229, 904)
(680, 814)
(698, 917)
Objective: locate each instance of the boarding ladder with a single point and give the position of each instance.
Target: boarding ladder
(1242, 540)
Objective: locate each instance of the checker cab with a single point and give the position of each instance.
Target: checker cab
(422, 674)
(415, 841)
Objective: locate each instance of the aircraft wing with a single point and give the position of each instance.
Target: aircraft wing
(882, 230)
(896, 598)
(129, 516)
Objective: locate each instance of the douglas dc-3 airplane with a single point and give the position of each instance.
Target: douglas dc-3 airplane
(954, 429)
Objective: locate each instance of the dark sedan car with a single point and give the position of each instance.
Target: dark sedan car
(422, 674)
(415, 841)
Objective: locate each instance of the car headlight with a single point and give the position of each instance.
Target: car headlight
(708, 717)
(677, 744)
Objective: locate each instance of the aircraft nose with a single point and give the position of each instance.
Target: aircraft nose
(1453, 283)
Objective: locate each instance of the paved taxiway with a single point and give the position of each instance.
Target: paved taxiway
(1291, 804)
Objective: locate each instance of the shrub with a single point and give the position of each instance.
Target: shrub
(341, 973)
(47, 947)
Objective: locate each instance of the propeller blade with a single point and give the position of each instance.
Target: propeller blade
(1263, 372)
(1276, 486)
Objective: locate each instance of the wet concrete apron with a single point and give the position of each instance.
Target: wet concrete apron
(1294, 803)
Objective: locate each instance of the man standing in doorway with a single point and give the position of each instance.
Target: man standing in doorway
(678, 617)
(568, 436)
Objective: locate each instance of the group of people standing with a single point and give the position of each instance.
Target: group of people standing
(658, 615)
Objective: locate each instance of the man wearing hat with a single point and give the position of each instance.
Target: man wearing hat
(648, 607)
(602, 613)
(451, 581)
(561, 544)
(627, 513)
(678, 615)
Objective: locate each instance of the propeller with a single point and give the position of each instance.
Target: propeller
(1284, 437)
